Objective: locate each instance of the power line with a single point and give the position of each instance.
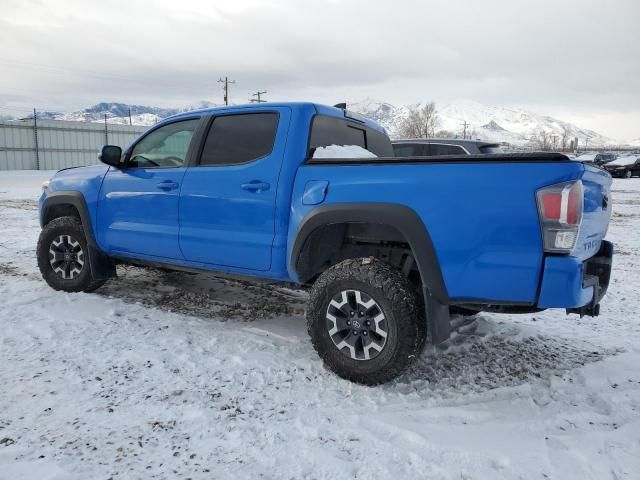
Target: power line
(226, 82)
(91, 73)
(464, 131)
(258, 94)
(15, 109)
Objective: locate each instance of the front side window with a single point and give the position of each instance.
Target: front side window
(165, 147)
(235, 139)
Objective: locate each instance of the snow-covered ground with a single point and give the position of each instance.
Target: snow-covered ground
(172, 375)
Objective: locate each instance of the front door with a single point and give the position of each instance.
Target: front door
(138, 204)
(228, 200)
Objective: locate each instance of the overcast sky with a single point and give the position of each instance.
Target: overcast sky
(577, 60)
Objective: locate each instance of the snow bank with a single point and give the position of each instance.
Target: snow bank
(23, 184)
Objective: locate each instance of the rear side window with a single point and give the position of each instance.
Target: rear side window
(234, 139)
(326, 131)
(440, 149)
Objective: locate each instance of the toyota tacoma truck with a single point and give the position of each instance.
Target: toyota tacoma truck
(388, 246)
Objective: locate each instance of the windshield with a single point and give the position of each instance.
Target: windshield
(623, 161)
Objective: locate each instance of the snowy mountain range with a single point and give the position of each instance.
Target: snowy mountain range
(492, 123)
(118, 113)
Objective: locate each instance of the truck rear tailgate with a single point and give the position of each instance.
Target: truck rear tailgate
(596, 212)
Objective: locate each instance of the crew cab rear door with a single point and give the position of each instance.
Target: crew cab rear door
(228, 199)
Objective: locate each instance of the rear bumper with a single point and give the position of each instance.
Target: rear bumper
(577, 286)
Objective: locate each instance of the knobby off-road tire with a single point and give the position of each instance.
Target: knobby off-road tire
(63, 256)
(382, 302)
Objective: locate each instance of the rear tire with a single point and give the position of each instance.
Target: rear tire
(63, 256)
(364, 321)
(628, 174)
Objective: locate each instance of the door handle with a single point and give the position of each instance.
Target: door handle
(255, 186)
(167, 185)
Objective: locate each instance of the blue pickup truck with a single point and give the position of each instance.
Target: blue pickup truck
(389, 246)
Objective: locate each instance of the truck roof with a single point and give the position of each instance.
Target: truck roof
(319, 108)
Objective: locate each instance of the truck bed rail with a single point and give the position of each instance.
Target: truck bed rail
(535, 157)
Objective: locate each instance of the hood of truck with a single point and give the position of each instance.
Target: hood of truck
(77, 178)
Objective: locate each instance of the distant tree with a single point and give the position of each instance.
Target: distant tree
(421, 121)
(445, 134)
(565, 138)
(541, 141)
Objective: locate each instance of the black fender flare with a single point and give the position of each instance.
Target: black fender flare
(102, 266)
(411, 226)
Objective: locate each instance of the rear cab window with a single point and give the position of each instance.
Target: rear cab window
(327, 130)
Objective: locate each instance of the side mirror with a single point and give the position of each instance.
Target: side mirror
(111, 155)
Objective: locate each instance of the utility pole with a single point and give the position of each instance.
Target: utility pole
(554, 137)
(226, 82)
(35, 138)
(464, 127)
(130, 123)
(258, 94)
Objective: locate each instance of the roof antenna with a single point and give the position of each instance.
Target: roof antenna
(343, 106)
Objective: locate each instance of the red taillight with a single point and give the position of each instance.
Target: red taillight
(560, 209)
(574, 204)
(551, 206)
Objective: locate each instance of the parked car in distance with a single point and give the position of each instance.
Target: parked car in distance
(624, 167)
(596, 158)
(428, 147)
(386, 245)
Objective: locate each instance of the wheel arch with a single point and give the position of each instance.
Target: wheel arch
(70, 203)
(405, 221)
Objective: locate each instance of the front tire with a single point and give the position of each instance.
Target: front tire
(365, 321)
(63, 256)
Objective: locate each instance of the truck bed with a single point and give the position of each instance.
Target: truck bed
(479, 210)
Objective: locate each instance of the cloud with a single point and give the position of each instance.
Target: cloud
(578, 57)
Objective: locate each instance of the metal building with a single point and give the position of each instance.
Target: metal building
(56, 144)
